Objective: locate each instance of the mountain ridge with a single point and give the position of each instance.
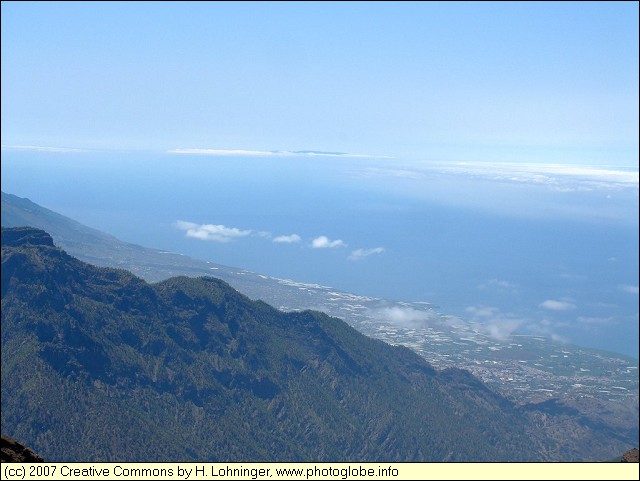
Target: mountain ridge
(265, 385)
(614, 410)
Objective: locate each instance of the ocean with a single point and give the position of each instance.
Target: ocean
(532, 250)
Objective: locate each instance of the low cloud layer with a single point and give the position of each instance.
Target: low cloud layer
(271, 153)
(211, 232)
(562, 177)
(559, 177)
(37, 148)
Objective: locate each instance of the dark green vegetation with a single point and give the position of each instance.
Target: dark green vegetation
(99, 365)
(588, 425)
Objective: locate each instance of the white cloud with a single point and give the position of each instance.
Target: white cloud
(217, 233)
(562, 177)
(494, 322)
(360, 254)
(287, 239)
(559, 177)
(559, 338)
(629, 289)
(271, 153)
(554, 305)
(323, 242)
(502, 328)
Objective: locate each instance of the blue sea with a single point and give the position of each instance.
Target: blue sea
(532, 250)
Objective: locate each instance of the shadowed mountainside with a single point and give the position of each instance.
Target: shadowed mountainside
(190, 369)
(581, 418)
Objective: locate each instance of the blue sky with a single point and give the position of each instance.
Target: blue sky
(545, 82)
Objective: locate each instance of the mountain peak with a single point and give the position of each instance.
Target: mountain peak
(25, 236)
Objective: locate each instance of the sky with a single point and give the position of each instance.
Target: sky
(423, 80)
(479, 156)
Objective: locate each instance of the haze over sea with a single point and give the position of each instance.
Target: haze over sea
(534, 249)
(479, 156)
